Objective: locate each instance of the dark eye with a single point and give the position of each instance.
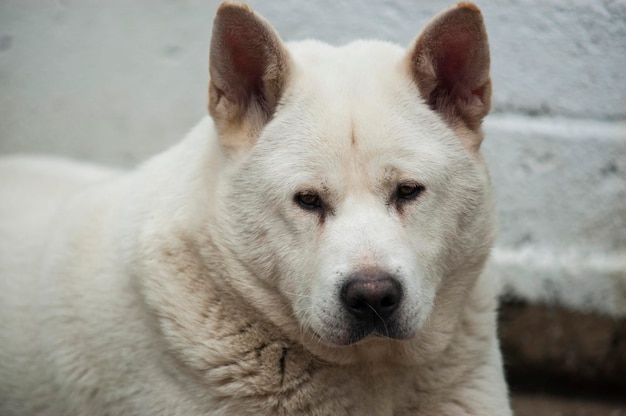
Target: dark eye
(409, 190)
(308, 200)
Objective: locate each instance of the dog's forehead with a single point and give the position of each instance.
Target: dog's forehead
(352, 114)
(316, 149)
(360, 90)
(358, 103)
(342, 77)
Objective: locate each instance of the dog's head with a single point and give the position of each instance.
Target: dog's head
(356, 190)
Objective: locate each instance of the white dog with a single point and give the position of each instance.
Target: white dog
(315, 247)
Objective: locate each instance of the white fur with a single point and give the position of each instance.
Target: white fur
(194, 285)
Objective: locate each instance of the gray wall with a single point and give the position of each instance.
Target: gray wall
(116, 81)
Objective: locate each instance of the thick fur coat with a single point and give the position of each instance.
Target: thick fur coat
(314, 247)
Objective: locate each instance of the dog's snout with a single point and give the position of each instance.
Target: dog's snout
(371, 298)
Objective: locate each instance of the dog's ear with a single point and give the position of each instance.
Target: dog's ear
(449, 62)
(248, 66)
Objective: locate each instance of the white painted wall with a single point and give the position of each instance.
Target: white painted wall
(117, 81)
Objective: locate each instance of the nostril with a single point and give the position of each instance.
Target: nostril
(388, 301)
(357, 306)
(371, 298)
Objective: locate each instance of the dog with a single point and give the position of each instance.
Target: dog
(315, 246)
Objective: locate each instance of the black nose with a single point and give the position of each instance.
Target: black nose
(371, 298)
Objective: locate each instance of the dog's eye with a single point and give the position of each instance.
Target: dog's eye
(409, 190)
(308, 200)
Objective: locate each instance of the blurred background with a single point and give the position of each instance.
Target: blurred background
(118, 81)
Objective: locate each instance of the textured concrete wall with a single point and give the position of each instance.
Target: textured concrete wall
(116, 81)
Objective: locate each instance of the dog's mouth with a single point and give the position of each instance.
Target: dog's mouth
(380, 331)
(361, 333)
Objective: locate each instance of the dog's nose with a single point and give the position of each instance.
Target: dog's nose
(371, 298)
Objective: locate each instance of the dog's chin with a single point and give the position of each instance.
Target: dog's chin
(361, 336)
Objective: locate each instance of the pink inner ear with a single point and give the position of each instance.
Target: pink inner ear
(454, 66)
(454, 60)
(248, 62)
